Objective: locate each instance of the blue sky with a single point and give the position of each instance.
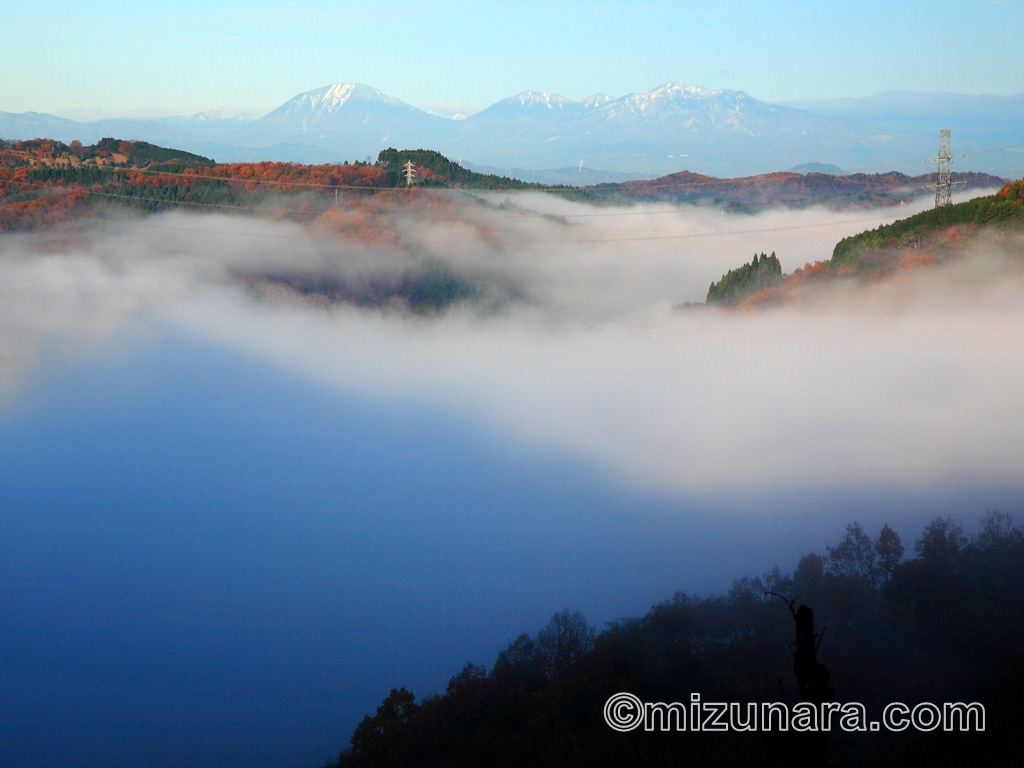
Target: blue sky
(136, 57)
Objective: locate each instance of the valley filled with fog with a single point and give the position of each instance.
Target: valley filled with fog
(570, 341)
(243, 500)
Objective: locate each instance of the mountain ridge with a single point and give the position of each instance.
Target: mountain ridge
(667, 129)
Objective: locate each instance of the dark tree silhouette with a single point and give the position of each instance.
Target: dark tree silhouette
(944, 626)
(889, 549)
(564, 643)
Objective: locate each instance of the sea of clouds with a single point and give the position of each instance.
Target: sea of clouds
(912, 382)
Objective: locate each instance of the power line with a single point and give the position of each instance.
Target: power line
(695, 235)
(335, 187)
(890, 166)
(642, 238)
(531, 215)
(260, 235)
(201, 205)
(664, 183)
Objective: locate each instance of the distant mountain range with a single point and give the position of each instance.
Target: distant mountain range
(672, 128)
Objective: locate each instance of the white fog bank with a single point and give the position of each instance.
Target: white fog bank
(910, 383)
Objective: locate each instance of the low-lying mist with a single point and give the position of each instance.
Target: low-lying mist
(563, 333)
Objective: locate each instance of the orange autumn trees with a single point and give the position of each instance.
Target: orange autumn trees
(292, 176)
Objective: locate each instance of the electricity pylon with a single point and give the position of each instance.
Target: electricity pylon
(410, 172)
(944, 182)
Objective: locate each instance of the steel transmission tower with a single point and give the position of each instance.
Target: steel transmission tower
(944, 183)
(410, 172)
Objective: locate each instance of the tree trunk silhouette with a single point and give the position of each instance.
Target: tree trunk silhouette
(803, 749)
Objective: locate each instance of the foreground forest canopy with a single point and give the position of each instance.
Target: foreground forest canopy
(942, 625)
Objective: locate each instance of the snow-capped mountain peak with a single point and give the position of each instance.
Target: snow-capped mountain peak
(539, 98)
(658, 130)
(323, 104)
(674, 89)
(596, 101)
(333, 97)
(668, 96)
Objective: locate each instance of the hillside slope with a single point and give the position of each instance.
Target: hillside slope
(927, 230)
(789, 189)
(928, 238)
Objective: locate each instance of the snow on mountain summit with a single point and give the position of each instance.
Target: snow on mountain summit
(334, 96)
(672, 89)
(654, 128)
(674, 96)
(549, 100)
(597, 100)
(313, 107)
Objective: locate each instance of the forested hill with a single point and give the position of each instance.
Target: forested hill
(434, 169)
(1003, 210)
(789, 189)
(925, 239)
(60, 190)
(942, 625)
(736, 284)
(110, 153)
(41, 175)
(44, 182)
